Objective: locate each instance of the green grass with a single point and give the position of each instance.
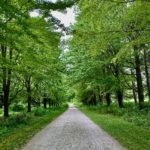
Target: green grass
(131, 136)
(130, 113)
(16, 136)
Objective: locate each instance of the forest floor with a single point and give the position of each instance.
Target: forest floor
(72, 131)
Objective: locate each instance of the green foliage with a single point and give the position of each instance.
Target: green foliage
(101, 55)
(129, 113)
(39, 111)
(30, 53)
(1, 111)
(15, 120)
(17, 107)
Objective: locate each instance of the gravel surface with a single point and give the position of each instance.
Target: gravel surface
(72, 131)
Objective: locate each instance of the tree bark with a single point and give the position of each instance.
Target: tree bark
(1, 101)
(134, 89)
(119, 94)
(140, 90)
(108, 99)
(29, 99)
(134, 92)
(119, 91)
(49, 102)
(28, 87)
(147, 73)
(94, 99)
(45, 102)
(6, 79)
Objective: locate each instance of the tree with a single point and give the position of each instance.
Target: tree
(29, 53)
(107, 44)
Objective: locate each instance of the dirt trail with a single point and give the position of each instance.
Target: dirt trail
(72, 131)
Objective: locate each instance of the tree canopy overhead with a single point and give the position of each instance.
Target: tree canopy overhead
(108, 57)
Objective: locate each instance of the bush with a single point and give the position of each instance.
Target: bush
(39, 112)
(65, 105)
(130, 113)
(14, 121)
(1, 111)
(22, 118)
(17, 107)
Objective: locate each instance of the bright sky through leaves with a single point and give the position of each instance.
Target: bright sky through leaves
(67, 18)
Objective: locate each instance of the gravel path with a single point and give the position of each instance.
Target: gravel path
(72, 131)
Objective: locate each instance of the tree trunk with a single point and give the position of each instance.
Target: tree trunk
(6, 104)
(29, 99)
(100, 96)
(101, 99)
(147, 73)
(6, 79)
(49, 102)
(94, 100)
(1, 101)
(39, 102)
(28, 87)
(134, 88)
(119, 91)
(140, 90)
(134, 92)
(119, 94)
(45, 102)
(108, 99)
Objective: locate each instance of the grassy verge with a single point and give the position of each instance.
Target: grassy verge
(14, 137)
(131, 136)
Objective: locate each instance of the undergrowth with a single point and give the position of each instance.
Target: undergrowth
(24, 125)
(130, 113)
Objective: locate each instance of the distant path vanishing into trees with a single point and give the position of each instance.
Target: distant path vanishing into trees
(72, 131)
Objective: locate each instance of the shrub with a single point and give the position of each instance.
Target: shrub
(15, 120)
(22, 118)
(17, 107)
(130, 113)
(39, 112)
(1, 111)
